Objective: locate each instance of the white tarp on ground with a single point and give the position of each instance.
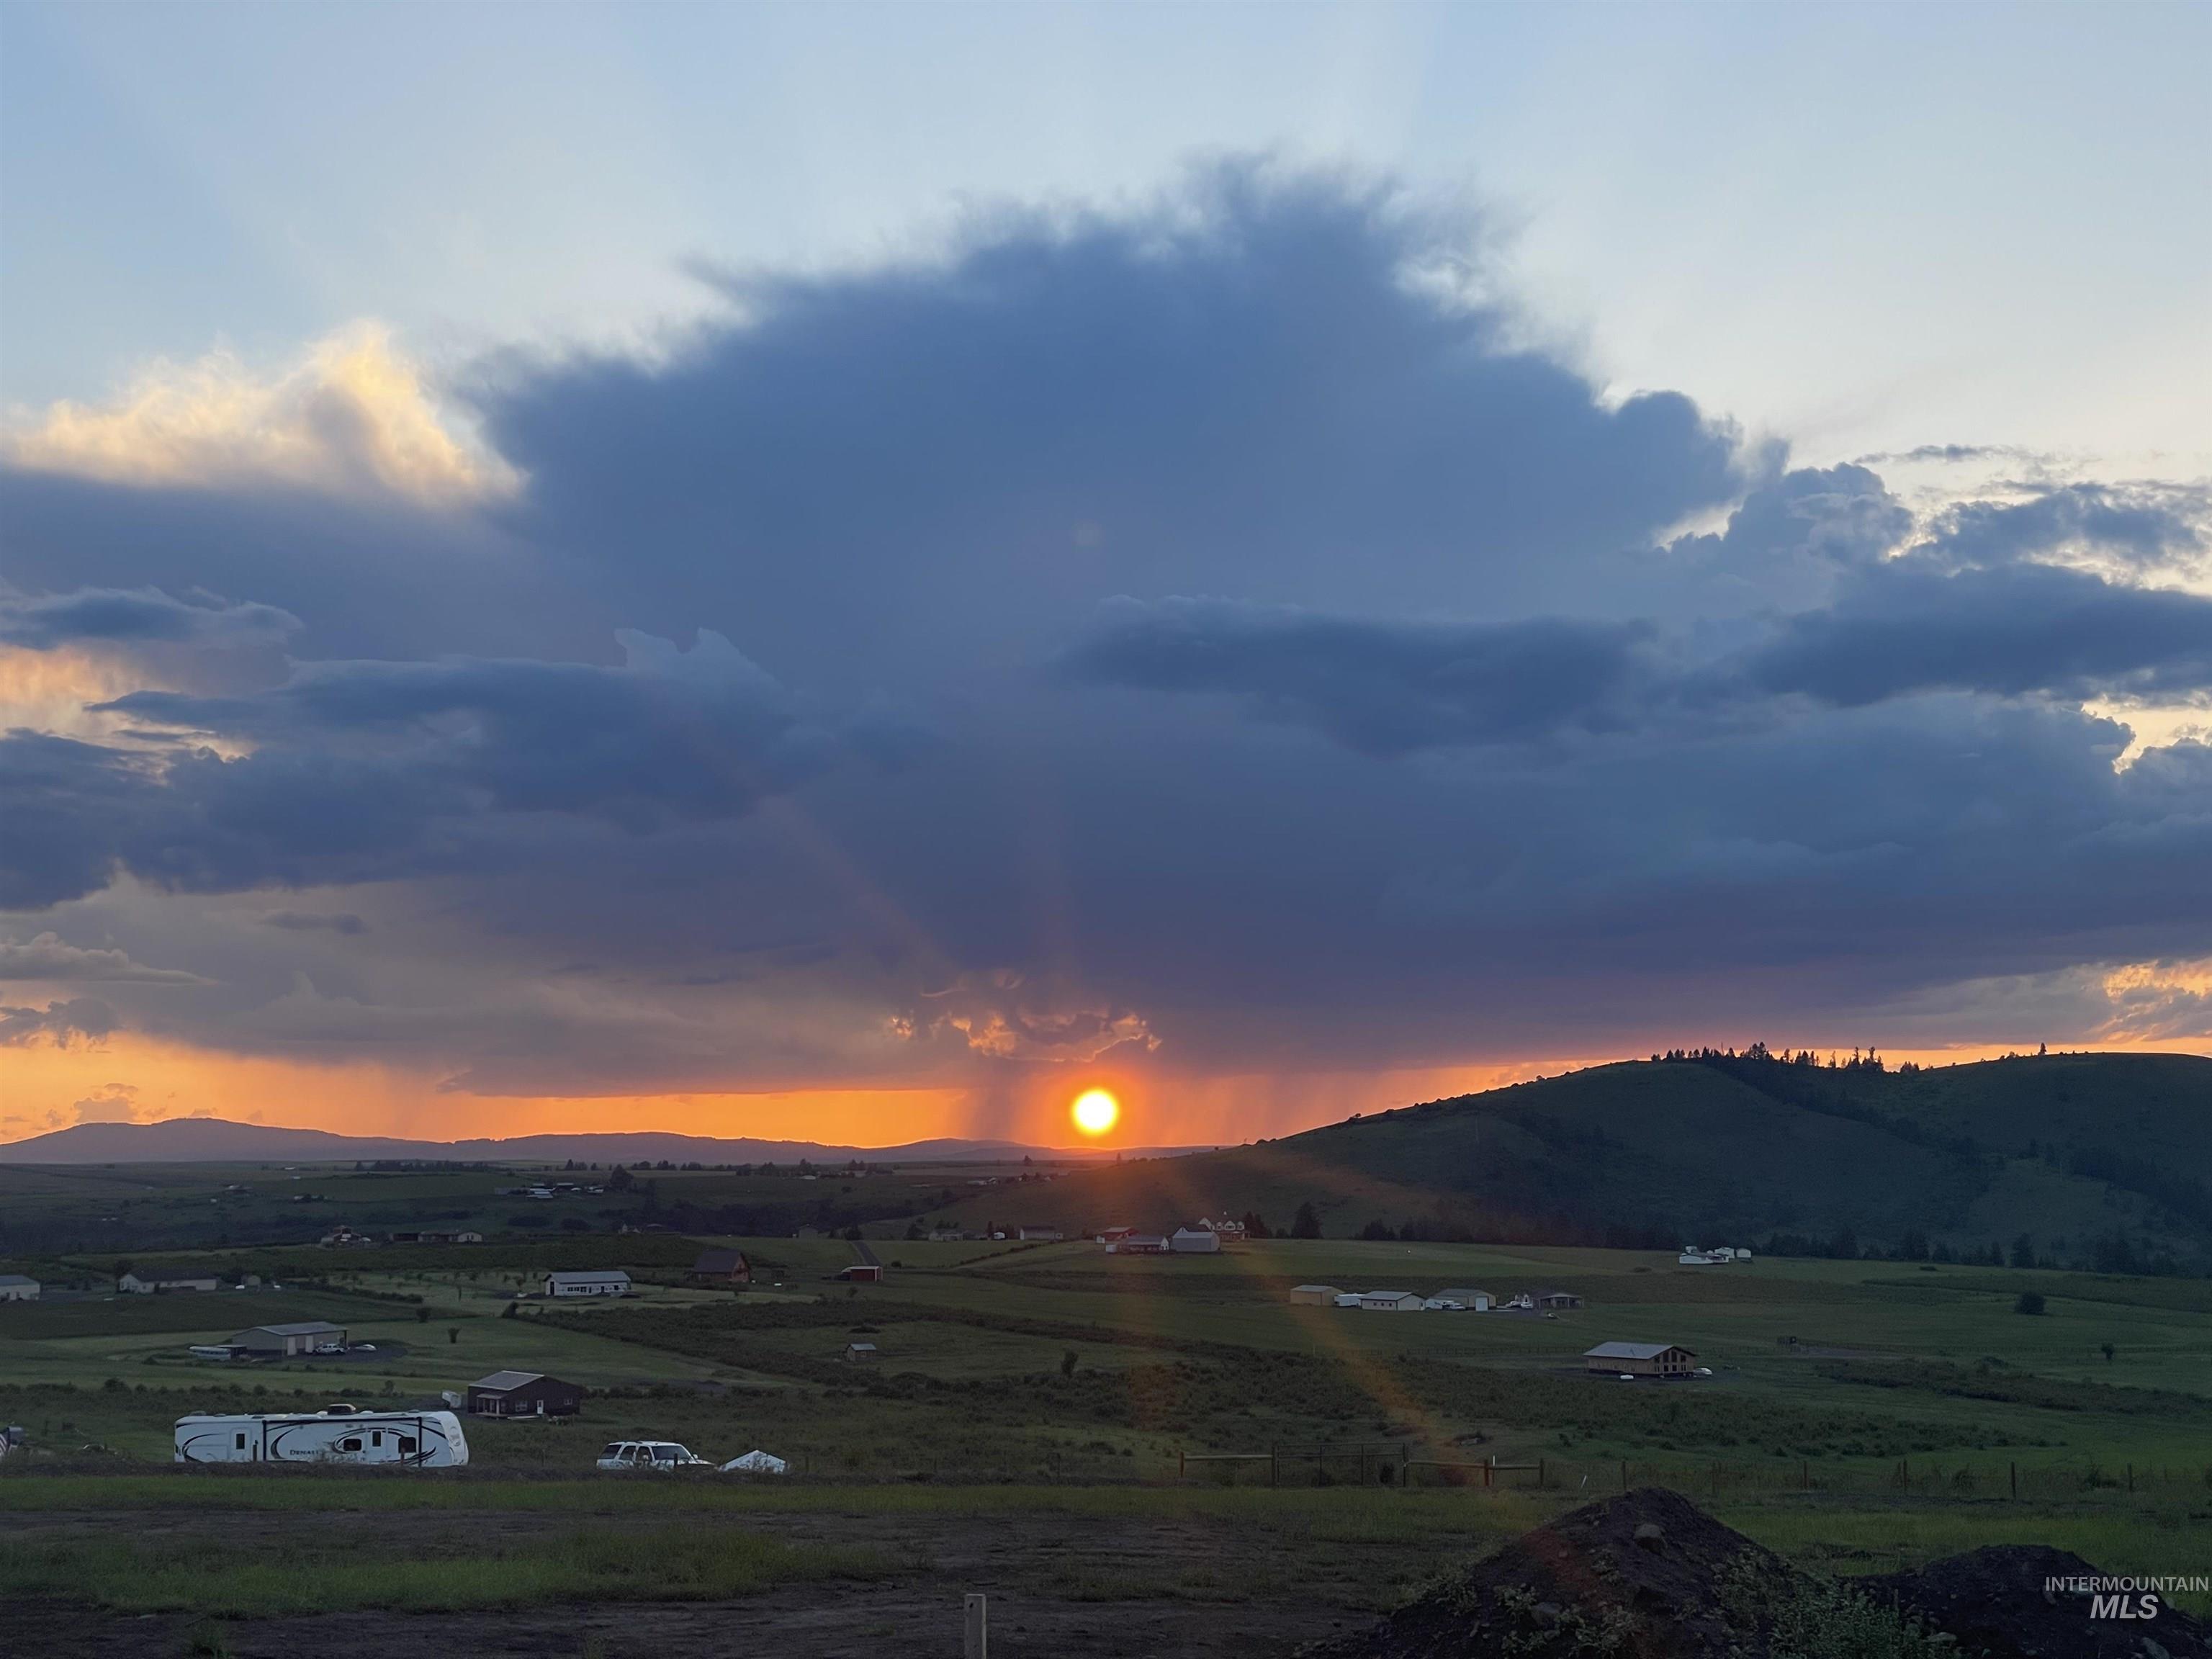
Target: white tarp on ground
(756, 1462)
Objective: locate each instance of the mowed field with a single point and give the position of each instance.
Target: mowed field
(1111, 1444)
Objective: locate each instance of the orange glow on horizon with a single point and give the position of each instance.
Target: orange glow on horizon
(131, 1077)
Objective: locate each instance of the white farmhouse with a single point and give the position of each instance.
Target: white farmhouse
(614, 1283)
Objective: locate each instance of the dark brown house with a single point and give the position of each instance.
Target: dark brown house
(721, 1267)
(524, 1394)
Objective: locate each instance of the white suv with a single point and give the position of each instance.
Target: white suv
(649, 1454)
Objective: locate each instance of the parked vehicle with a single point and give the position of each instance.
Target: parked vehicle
(336, 1434)
(649, 1455)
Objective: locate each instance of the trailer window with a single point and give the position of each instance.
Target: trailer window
(241, 1441)
(351, 1443)
(376, 1438)
(407, 1445)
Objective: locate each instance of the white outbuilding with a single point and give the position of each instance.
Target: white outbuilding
(1195, 1240)
(1314, 1296)
(613, 1283)
(16, 1287)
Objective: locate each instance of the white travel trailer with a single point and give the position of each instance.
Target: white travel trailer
(336, 1434)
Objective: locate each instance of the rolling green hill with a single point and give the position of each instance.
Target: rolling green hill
(2102, 1160)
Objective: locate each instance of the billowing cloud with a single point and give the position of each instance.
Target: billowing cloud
(1241, 391)
(117, 1102)
(1195, 640)
(2146, 526)
(1003, 1016)
(352, 416)
(47, 959)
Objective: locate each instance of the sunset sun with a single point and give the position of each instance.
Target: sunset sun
(1095, 1111)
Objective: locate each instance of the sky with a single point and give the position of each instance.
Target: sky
(850, 573)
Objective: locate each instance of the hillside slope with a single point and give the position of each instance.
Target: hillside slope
(2082, 1152)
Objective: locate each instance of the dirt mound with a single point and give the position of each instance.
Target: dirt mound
(1647, 1575)
(1995, 1601)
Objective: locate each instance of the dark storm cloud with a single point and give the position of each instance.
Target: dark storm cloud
(697, 734)
(143, 616)
(1899, 627)
(369, 578)
(2019, 629)
(1473, 749)
(1241, 392)
(1382, 687)
(370, 770)
(315, 921)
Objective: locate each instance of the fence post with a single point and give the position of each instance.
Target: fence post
(975, 1635)
(1624, 1474)
(1182, 1464)
(1539, 1475)
(1274, 1466)
(2014, 1469)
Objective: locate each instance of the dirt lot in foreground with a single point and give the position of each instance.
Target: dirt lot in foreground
(1058, 1585)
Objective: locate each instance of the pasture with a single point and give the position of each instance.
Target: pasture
(1088, 1428)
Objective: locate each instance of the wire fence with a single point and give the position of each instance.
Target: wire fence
(1397, 1464)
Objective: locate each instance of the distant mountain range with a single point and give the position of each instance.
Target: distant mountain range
(2099, 1160)
(216, 1140)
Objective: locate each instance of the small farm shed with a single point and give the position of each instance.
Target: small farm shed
(1392, 1301)
(721, 1267)
(860, 1353)
(1041, 1234)
(1557, 1301)
(1641, 1359)
(524, 1394)
(1140, 1244)
(15, 1287)
(288, 1341)
(1314, 1296)
(616, 1282)
(864, 1273)
(1195, 1240)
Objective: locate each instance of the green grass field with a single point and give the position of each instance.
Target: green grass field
(1861, 1414)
